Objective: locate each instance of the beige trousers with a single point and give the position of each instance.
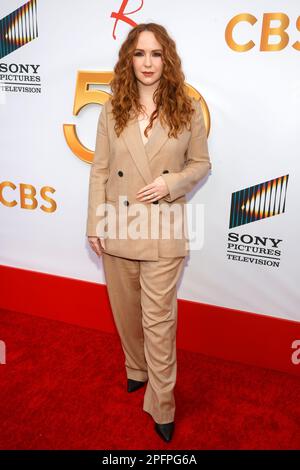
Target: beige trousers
(143, 298)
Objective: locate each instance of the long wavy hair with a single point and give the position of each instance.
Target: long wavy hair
(173, 105)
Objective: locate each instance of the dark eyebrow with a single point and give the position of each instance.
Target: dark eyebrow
(153, 50)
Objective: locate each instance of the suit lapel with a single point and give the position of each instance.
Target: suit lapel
(140, 153)
(156, 140)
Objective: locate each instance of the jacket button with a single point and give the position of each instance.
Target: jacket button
(166, 171)
(120, 173)
(154, 202)
(126, 203)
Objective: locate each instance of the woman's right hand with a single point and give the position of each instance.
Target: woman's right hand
(97, 245)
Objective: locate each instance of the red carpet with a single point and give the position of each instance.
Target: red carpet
(64, 387)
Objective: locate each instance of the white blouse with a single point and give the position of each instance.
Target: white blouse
(143, 123)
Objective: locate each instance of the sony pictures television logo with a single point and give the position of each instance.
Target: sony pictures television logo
(253, 204)
(17, 29)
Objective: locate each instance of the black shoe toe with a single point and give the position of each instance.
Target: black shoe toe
(165, 431)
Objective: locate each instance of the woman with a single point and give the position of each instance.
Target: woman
(151, 149)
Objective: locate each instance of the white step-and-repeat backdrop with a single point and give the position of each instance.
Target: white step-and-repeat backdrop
(242, 57)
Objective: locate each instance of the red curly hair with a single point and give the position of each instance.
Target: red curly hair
(173, 105)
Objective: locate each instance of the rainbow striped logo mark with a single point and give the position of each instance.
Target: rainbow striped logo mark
(258, 202)
(18, 28)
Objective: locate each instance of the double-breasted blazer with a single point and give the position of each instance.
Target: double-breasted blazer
(123, 165)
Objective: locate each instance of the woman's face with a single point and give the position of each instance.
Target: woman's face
(147, 57)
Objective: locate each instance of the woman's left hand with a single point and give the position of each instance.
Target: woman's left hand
(154, 191)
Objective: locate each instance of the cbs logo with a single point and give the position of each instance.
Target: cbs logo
(267, 31)
(27, 196)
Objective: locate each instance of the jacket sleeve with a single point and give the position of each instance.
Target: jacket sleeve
(197, 163)
(99, 173)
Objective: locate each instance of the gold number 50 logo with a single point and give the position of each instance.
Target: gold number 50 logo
(85, 96)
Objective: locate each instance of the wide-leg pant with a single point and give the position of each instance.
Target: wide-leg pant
(143, 298)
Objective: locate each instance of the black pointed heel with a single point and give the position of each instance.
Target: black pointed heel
(133, 385)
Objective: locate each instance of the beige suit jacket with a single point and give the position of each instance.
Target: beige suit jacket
(123, 165)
